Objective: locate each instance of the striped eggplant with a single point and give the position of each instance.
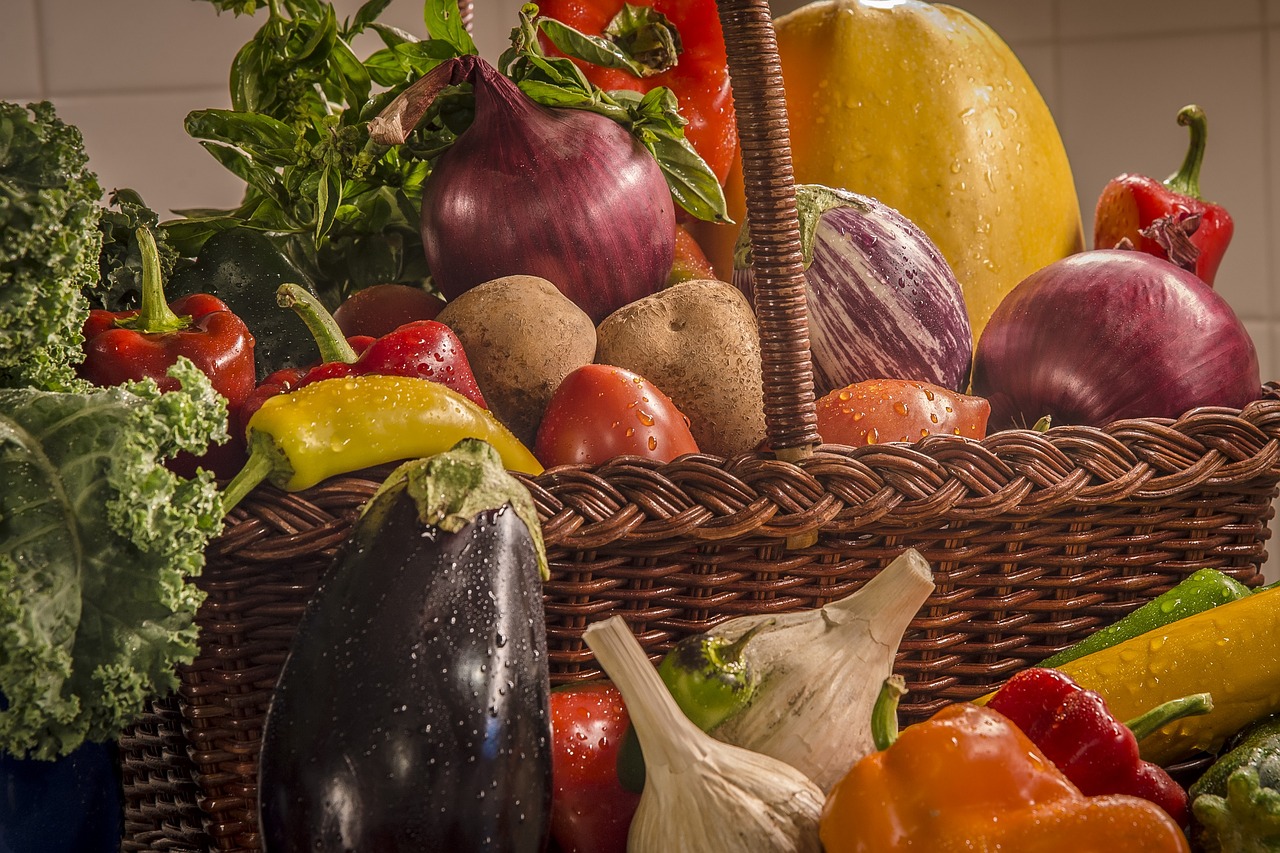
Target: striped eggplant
(883, 302)
(413, 711)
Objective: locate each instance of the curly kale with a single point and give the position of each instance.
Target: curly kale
(98, 543)
(49, 246)
(120, 265)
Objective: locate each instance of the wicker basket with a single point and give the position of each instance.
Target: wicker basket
(1035, 539)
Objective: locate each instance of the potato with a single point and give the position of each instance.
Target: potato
(699, 343)
(522, 337)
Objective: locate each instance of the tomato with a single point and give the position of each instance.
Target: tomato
(880, 410)
(590, 810)
(600, 411)
(383, 308)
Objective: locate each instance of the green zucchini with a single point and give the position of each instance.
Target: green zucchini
(1196, 593)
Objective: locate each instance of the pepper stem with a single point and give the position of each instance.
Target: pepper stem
(1175, 709)
(1187, 179)
(263, 461)
(154, 316)
(333, 344)
(884, 714)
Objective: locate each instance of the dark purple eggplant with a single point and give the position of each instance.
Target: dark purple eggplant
(413, 710)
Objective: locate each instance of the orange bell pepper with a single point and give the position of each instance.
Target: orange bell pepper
(969, 780)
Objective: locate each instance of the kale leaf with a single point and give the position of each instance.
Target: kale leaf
(98, 543)
(49, 245)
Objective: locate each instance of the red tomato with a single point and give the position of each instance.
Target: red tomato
(590, 810)
(383, 308)
(600, 411)
(880, 410)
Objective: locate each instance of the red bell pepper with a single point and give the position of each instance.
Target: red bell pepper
(590, 810)
(427, 349)
(142, 344)
(698, 75)
(1097, 752)
(1167, 219)
(128, 346)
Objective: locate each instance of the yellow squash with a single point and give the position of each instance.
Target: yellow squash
(1231, 651)
(925, 108)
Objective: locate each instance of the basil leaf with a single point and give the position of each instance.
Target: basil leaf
(444, 21)
(328, 197)
(593, 49)
(272, 142)
(693, 185)
(366, 15)
(250, 85)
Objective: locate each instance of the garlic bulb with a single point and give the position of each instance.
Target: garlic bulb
(821, 671)
(701, 795)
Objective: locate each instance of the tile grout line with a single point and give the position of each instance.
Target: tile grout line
(42, 55)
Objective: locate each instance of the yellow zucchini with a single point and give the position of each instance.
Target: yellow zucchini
(1231, 651)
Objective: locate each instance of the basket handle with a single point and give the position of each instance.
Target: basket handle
(755, 73)
(764, 135)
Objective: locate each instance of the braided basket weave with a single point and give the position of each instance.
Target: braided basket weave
(1035, 539)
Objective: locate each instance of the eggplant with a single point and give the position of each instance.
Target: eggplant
(883, 301)
(412, 712)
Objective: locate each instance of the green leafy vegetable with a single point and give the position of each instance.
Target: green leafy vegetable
(49, 244)
(346, 208)
(97, 544)
(120, 263)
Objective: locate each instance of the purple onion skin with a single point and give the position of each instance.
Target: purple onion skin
(882, 301)
(563, 194)
(1111, 334)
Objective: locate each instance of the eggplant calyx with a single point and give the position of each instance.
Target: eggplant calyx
(450, 489)
(812, 201)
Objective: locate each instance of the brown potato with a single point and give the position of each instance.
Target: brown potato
(522, 337)
(699, 343)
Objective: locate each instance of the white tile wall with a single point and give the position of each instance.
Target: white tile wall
(1114, 72)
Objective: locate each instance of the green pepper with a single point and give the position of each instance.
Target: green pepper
(710, 681)
(1196, 593)
(336, 426)
(1237, 801)
(244, 269)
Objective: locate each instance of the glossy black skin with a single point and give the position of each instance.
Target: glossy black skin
(244, 269)
(413, 711)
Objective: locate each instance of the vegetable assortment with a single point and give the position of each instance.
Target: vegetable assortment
(483, 269)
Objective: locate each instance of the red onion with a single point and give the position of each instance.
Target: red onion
(1112, 334)
(564, 194)
(883, 303)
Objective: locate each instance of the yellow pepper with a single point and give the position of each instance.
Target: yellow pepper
(968, 779)
(923, 107)
(336, 426)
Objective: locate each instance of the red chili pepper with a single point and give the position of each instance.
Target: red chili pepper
(590, 810)
(423, 348)
(699, 76)
(1097, 752)
(1167, 219)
